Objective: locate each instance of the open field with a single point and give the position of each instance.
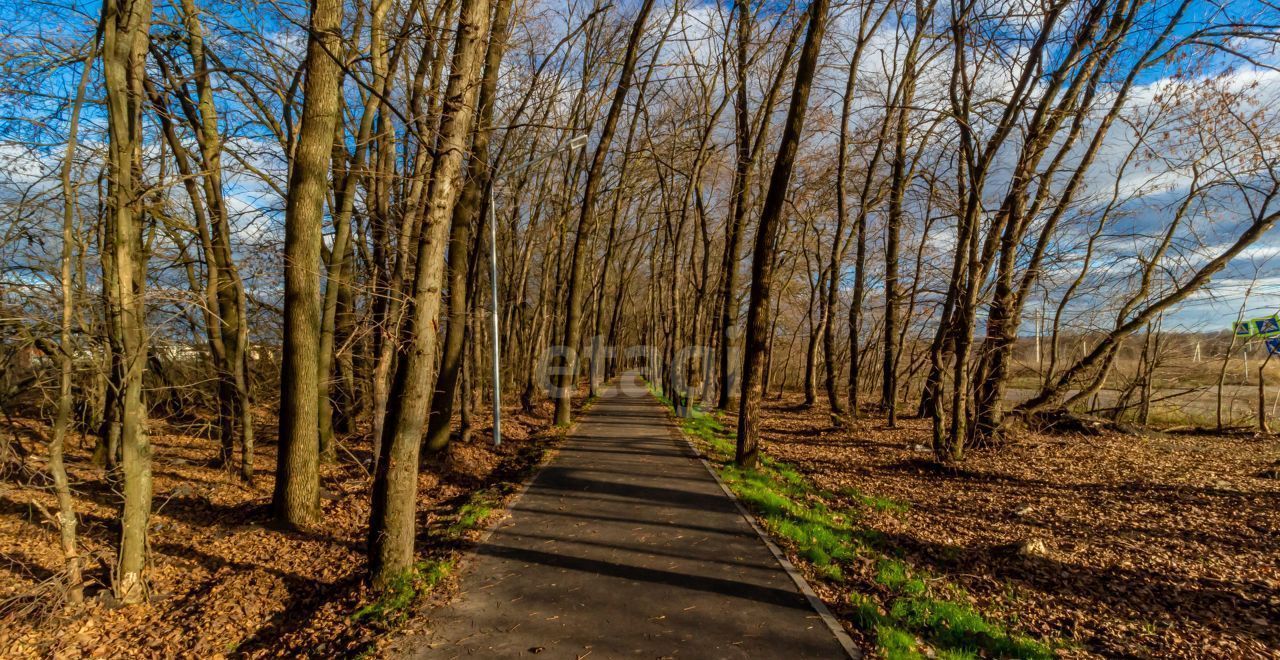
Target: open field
(1185, 406)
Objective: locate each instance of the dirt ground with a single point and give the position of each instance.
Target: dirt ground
(223, 582)
(1165, 546)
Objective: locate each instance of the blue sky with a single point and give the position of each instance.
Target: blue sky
(34, 121)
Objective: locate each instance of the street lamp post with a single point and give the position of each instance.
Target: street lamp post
(571, 144)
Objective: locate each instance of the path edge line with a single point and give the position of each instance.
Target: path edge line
(824, 613)
(466, 562)
(467, 555)
(523, 487)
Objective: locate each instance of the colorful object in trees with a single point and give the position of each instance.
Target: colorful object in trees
(1273, 345)
(1267, 325)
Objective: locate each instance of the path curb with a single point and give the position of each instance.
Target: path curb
(841, 635)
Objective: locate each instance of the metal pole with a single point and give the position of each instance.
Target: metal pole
(497, 341)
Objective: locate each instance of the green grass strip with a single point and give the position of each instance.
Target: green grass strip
(918, 620)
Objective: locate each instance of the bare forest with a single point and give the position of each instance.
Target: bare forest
(297, 299)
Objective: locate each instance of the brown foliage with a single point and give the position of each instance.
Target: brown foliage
(1164, 546)
(224, 580)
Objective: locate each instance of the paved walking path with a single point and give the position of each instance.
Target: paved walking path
(625, 546)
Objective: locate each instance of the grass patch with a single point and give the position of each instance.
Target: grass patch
(882, 504)
(958, 629)
(473, 513)
(895, 576)
(403, 591)
(952, 629)
(812, 530)
(921, 616)
(779, 494)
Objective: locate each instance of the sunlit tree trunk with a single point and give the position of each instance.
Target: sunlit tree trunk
(469, 216)
(62, 421)
(231, 323)
(575, 294)
(296, 500)
(392, 521)
(748, 447)
(126, 37)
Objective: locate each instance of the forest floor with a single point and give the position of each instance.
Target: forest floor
(223, 580)
(1105, 545)
(1113, 545)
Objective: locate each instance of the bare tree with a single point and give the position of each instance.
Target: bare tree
(296, 500)
(587, 218)
(125, 39)
(748, 446)
(392, 518)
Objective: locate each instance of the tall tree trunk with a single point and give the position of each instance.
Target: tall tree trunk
(392, 521)
(893, 227)
(296, 500)
(748, 449)
(598, 356)
(126, 38)
(748, 145)
(1075, 103)
(728, 321)
(391, 257)
(62, 422)
(469, 216)
(345, 173)
(235, 415)
(348, 171)
(866, 27)
(816, 330)
(568, 376)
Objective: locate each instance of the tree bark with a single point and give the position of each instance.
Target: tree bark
(392, 521)
(728, 321)
(469, 216)
(748, 445)
(62, 422)
(296, 500)
(126, 37)
(234, 412)
(568, 377)
(899, 180)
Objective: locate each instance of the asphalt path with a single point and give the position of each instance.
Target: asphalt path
(625, 546)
